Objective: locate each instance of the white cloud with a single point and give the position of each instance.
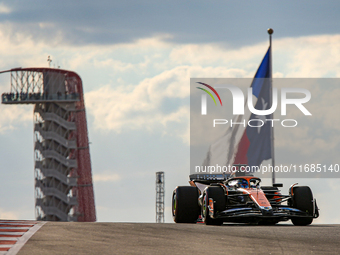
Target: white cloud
(12, 116)
(114, 64)
(310, 56)
(302, 141)
(8, 215)
(107, 177)
(146, 105)
(4, 9)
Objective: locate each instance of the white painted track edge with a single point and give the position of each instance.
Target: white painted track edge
(22, 240)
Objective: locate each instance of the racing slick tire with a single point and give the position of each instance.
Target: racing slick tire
(218, 196)
(185, 208)
(303, 200)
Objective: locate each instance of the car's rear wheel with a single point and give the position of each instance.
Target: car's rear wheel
(185, 208)
(218, 196)
(303, 200)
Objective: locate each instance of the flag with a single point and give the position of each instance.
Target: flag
(256, 142)
(246, 145)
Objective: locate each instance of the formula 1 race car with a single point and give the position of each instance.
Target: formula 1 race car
(215, 199)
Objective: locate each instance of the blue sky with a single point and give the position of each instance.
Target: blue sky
(136, 59)
(110, 22)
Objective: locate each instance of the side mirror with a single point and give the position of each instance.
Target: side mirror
(279, 185)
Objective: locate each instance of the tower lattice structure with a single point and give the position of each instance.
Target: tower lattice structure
(160, 197)
(63, 177)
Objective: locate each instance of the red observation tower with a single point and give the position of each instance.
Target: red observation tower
(63, 177)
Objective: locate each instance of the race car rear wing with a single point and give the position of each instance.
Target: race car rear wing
(209, 178)
(213, 178)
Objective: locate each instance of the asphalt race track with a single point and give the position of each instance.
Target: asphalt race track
(152, 238)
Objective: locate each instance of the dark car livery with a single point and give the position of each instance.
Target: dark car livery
(215, 199)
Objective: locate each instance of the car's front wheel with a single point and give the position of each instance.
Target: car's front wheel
(302, 199)
(218, 196)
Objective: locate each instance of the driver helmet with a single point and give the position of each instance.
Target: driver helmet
(244, 184)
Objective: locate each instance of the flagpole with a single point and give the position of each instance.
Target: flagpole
(270, 32)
